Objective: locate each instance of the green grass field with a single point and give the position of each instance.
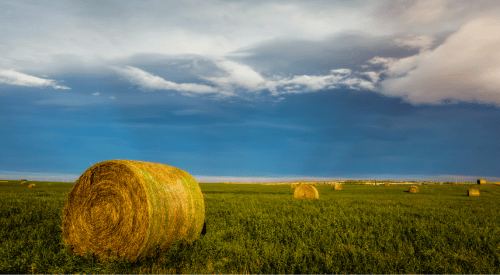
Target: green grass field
(263, 229)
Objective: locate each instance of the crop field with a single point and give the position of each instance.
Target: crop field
(263, 229)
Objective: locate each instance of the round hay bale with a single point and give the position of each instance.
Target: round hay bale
(23, 182)
(413, 189)
(32, 185)
(441, 183)
(481, 181)
(337, 187)
(387, 184)
(473, 192)
(306, 191)
(126, 208)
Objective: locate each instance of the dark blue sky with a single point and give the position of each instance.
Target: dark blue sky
(250, 96)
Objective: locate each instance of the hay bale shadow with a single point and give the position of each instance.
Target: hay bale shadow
(204, 230)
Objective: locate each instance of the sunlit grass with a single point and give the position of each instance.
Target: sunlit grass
(262, 229)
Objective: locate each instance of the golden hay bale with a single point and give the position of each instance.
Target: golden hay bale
(4, 181)
(23, 182)
(413, 189)
(129, 207)
(481, 181)
(387, 184)
(306, 191)
(473, 192)
(441, 183)
(32, 185)
(337, 187)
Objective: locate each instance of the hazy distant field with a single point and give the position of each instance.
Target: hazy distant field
(263, 229)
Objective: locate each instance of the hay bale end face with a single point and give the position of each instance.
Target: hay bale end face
(473, 192)
(32, 185)
(413, 189)
(306, 191)
(126, 208)
(337, 187)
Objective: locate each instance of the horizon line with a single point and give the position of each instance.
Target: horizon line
(13, 175)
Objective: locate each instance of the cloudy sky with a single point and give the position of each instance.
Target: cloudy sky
(252, 89)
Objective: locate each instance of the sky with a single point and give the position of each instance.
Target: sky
(252, 90)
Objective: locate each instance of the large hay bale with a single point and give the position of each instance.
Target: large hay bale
(472, 192)
(32, 185)
(387, 184)
(413, 189)
(481, 181)
(306, 191)
(129, 207)
(337, 187)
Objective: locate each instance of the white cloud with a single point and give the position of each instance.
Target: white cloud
(241, 80)
(422, 42)
(95, 94)
(238, 75)
(381, 60)
(466, 67)
(397, 67)
(374, 76)
(341, 71)
(13, 77)
(150, 81)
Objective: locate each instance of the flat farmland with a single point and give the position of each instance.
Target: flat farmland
(262, 229)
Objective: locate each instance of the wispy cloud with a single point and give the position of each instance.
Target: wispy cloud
(13, 77)
(240, 80)
(150, 81)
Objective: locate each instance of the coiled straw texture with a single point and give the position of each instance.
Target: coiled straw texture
(305, 191)
(124, 208)
(413, 189)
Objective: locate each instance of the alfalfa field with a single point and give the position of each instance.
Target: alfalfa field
(263, 229)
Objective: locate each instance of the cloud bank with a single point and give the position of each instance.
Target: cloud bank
(466, 67)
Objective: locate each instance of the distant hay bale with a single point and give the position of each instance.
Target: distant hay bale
(473, 192)
(4, 181)
(481, 181)
(387, 184)
(306, 191)
(32, 185)
(23, 182)
(441, 183)
(126, 208)
(337, 187)
(413, 189)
